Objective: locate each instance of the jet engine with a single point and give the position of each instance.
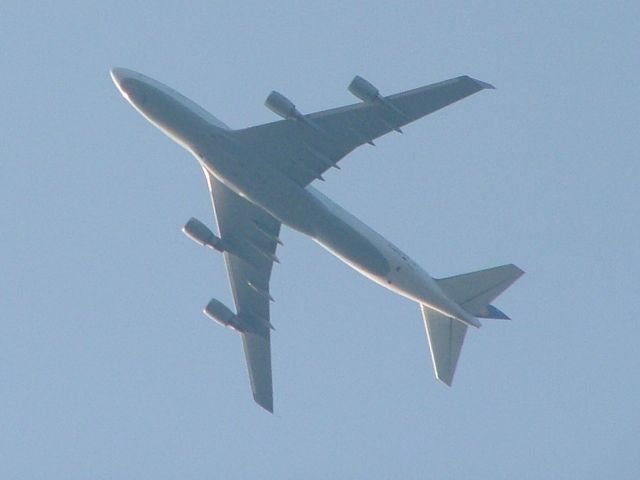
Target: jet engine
(282, 106)
(364, 90)
(200, 233)
(220, 313)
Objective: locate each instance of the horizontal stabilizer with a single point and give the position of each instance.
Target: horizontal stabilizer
(446, 336)
(475, 291)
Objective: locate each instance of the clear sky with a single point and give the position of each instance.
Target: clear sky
(109, 370)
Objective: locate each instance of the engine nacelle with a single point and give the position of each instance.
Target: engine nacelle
(200, 233)
(282, 106)
(364, 90)
(220, 313)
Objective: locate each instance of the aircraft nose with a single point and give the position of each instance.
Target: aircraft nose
(118, 75)
(130, 84)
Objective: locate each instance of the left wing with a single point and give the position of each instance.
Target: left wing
(305, 146)
(254, 236)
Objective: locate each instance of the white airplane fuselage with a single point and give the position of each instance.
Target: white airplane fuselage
(303, 209)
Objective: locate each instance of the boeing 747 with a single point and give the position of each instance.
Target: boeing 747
(260, 178)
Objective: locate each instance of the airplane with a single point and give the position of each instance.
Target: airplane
(260, 178)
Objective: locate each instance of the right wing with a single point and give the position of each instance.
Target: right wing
(254, 234)
(306, 149)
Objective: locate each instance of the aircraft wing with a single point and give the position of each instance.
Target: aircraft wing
(254, 234)
(306, 147)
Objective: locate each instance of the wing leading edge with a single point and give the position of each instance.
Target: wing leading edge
(254, 236)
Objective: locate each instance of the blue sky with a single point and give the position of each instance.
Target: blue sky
(108, 369)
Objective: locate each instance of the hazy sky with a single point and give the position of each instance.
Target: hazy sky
(109, 370)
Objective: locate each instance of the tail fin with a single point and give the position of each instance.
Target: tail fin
(475, 291)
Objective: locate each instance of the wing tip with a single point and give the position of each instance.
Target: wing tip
(517, 269)
(496, 313)
(447, 380)
(266, 403)
(480, 83)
